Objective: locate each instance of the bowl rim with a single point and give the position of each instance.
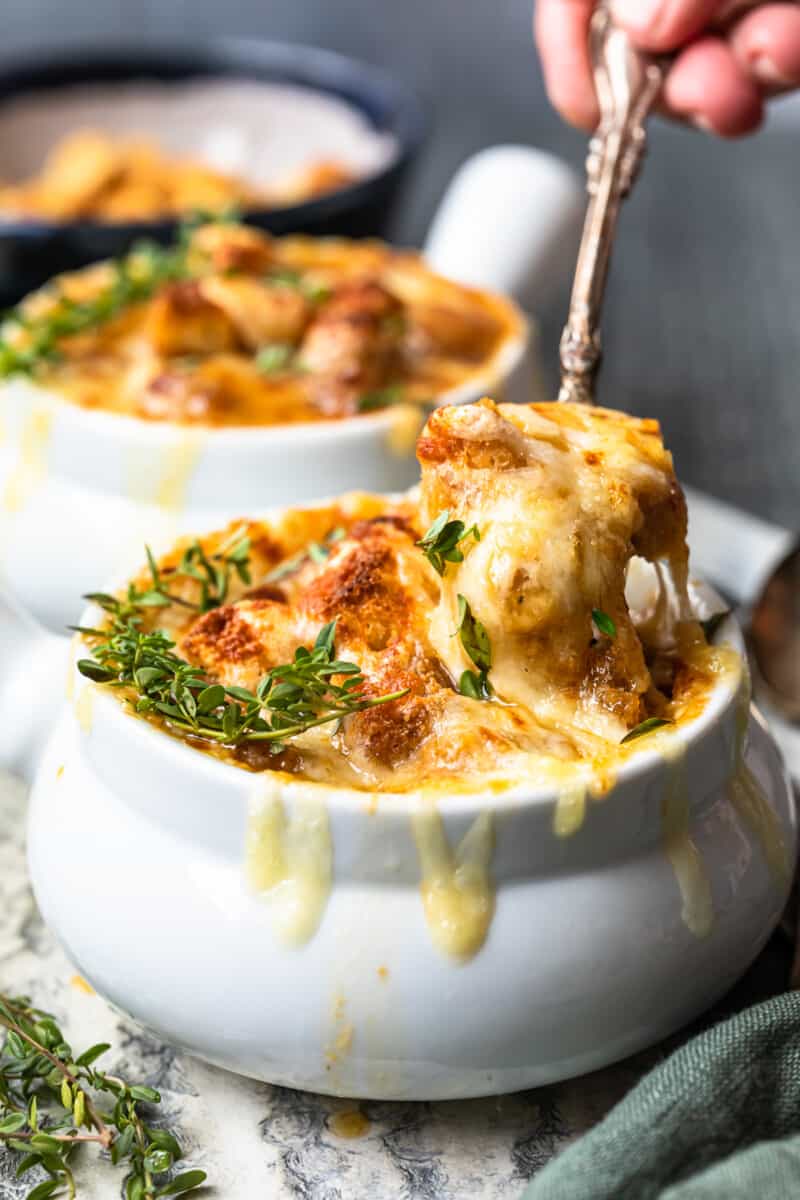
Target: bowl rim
(501, 367)
(383, 99)
(641, 766)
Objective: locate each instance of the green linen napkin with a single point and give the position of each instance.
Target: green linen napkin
(717, 1120)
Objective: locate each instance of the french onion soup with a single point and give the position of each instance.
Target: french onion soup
(474, 634)
(89, 174)
(232, 327)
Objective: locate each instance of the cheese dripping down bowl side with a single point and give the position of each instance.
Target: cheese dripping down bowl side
(128, 468)
(435, 941)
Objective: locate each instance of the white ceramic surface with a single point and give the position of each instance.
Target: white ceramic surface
(65, 471)
(593, 950)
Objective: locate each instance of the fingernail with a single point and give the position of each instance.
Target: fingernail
(637, 15)
(767, 73)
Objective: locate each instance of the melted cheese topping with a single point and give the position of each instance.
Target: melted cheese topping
(277, 331)
(91, 174)
(564, 498)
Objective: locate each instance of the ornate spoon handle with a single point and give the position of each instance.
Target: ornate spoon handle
(627, 83)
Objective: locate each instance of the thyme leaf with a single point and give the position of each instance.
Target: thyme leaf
(277, 356)
(604, 623)
(314, 290)
(53, 1100)
(644, 727)
(440, 544)
(475, 641)
(475, 684)
(212, 572)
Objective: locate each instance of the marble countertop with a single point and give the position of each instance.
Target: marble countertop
(255, 1140)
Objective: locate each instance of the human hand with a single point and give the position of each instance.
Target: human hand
(730, 56)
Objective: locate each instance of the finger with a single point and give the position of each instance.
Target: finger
(664, 25)
(732, 8)
(766, 42)
(562, 35)
(706, 85)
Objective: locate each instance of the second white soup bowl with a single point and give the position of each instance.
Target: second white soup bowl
(81, 490)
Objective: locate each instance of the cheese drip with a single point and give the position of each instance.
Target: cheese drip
(457, 892)
(697, 905)
(753, 806)
(32, 464)
(289, 860)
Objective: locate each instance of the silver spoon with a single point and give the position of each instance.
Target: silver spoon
(627, 82)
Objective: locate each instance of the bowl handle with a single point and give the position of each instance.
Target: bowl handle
(731, 548)
(509, 222)
(32, 685)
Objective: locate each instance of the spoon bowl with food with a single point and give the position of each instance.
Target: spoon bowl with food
(422, 796)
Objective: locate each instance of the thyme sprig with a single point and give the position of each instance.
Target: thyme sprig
(28, 341)
(213, 572)
(52, 1101)
(440, 544)
(475, 641)
(290, 699)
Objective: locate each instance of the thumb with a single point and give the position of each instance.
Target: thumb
(664, 25)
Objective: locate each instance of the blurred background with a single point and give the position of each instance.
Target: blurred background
(703, 312)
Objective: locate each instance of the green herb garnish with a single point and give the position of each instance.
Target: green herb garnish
(52, 1101)
(290, 699)
(475, 684)
(644, 727)
(475, 640)
(275, 357)
(315, 551)
(604, 623)
(213, 573)
(711, 624)
(381, 398)
(28, 341)
(440, 544)
(394, 325)
(285, 277)
(313, 290)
